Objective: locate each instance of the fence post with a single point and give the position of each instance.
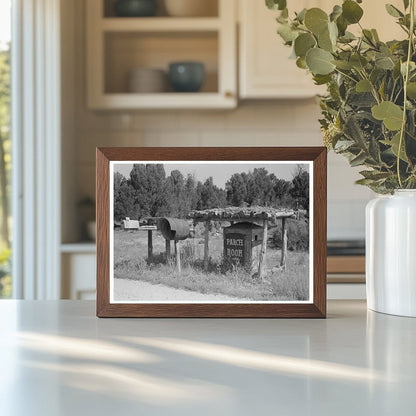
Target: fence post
(178, 256)
(149, 244)
(167, 245)
(206, 244)
(262, 259)
(284, 244)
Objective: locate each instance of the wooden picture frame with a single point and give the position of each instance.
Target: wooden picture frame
(315, 157)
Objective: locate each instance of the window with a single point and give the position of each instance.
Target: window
(5, 147)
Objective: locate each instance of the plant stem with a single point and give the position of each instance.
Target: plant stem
(346, 75)
(406, 80)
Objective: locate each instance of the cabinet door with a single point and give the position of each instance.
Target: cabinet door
(265, 68)
(78, 276)
(376, 17)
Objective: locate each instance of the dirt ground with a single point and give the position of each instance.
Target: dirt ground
(136, 290)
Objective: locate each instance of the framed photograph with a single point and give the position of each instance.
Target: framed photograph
(211, 232)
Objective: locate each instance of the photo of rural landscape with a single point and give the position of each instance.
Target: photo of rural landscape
(210, 232)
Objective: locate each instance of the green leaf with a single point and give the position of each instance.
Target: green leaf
(394, 143)
(363, 86)
(393, 11)
(365, 182)
(384, 62)
(316, 20)
(343, 145)
(276, 4)
(374, 175)
(325, 42)
(351, 11)
(321, 79)
(347, 37)
(333, 32)
(374, 150)
(388, 112)
(353, 131)
(375, 35)
(368, 36)
(336, 12)
(320, 61)
(362, 99)
(301, 15)
(303, 43)
(358, 160)
(287, 33)
(382, 88)
(406, 4)
(342, 25)
(411, 90)
(412, 67)
(301, 63)
(345, 65)
(358, 61)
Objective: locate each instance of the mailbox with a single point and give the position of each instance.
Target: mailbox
(174, 228)
(239, 242)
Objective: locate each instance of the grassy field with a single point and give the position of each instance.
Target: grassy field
(130, 262)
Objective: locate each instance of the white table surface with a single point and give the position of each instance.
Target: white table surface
(57, 358)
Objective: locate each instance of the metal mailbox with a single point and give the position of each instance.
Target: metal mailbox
(239, 241)
(174, 228)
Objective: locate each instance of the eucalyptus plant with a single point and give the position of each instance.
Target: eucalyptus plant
(369, 111)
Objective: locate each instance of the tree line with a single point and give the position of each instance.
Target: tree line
(148, 192)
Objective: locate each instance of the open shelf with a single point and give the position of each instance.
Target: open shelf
(127, 51)
(87, 247)
(160, 24)
(167, 100)
(210, 7)
(119, 45)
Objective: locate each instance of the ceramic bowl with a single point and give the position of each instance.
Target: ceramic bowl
(186, 76)
(147, 80)
(135, 8)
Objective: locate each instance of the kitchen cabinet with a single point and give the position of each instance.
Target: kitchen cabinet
(265, 70)
(118, 45)
(78, 262)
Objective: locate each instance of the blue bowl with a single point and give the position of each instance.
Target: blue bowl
(186, 76)
(135, 8)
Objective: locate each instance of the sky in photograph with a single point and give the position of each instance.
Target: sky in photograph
(220, 172)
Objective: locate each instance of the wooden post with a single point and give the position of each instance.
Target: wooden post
(178, 256)
(167, 244)
(284, 244)
(149, 244)
(262, 258)
(206, 246)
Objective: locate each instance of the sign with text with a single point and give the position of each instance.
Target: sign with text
(234, 247)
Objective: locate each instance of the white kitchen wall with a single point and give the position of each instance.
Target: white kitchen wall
(254, 123)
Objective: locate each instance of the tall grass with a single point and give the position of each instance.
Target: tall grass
(297, 233)
(130, 262)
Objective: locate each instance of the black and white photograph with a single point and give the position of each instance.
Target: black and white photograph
(211, 232)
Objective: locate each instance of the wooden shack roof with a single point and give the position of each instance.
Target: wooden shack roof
(241, 213)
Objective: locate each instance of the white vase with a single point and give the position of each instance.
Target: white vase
(391, 253)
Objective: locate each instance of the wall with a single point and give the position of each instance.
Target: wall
(254, 123)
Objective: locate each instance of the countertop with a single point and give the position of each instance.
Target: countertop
(57, 358)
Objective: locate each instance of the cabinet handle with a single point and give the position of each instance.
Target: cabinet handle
(229, 94)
